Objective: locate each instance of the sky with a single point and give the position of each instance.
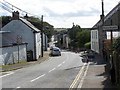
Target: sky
(63, 13)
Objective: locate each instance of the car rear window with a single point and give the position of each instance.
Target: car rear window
(56, 49)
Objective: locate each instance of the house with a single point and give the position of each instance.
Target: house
(98, 35)
(22, 31)
(66, 41)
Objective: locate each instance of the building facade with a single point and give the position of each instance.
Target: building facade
(21, 31)
(111, 19)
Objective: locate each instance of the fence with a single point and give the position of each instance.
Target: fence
(13, 54)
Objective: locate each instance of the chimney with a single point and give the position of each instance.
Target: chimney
(15, 15)
(26, 16)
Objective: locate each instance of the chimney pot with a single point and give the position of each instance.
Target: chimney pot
(15, 15)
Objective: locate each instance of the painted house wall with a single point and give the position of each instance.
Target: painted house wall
(20, 29)
(38, 45)
(45, 41)
(7, 39)
(9, 54)
(65, 41)
(95, 41)
(112, 18)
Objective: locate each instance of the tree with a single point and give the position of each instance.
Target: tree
(72, 33)
(83, 37)
(5, 20)
(47, 28)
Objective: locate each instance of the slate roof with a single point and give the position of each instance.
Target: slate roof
(113, 11)
(30, 25)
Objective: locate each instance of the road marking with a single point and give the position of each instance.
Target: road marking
(37, 78)
(77, 77)
(7, 74)
(52, 70)
(17, 87)
(63, 62)
(81, 82)
(59, 65)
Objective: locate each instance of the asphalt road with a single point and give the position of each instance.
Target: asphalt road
(57, 72)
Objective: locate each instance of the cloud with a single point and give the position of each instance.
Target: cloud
(78, 13)
(62, 13)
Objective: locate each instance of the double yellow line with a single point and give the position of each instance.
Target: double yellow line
(76, 80)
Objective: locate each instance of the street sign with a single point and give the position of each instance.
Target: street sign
(110, 28)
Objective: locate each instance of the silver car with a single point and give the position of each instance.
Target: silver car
(55, 51)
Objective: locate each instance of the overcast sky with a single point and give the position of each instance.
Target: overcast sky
(62, 13)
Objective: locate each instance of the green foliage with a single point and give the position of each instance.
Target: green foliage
(116, 45)
(88, 45)
(5, 20)
(47, 28)
(83, 37)
(78, 36)
(73, 31)
(72, 34)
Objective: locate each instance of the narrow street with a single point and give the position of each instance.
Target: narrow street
(60, 44)
(57, 72)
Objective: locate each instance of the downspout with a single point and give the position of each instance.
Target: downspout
(34, 46)
(26, 51)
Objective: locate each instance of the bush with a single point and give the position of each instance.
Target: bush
(116, 45)
(88, 45)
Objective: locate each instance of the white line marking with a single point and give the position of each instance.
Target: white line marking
(52, 70)
(37, 78)
(59, 65)
(7, 74)
(81, 82)
(17, 87)
(63, 62)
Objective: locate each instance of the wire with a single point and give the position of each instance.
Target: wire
(23, 11)
(5, 7)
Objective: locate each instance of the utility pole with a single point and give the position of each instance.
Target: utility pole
(42, 36)
(102, 31)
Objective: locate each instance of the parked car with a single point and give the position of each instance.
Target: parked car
(55, 51)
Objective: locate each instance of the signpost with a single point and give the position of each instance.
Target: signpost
(110, 28)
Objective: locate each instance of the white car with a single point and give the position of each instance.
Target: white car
(55, 51)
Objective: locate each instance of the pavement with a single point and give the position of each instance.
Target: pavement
(97, 76)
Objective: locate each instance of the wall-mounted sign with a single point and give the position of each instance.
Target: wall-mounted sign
(110, 28)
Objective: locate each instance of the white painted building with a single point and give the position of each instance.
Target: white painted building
(23, 31)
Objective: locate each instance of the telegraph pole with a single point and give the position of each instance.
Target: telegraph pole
(42, 36)
(102, 31)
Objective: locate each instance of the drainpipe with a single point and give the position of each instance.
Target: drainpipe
(34, 46)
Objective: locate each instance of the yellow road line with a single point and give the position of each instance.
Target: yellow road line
(77, 77)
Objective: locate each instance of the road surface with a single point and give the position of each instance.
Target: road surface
(57, 72)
